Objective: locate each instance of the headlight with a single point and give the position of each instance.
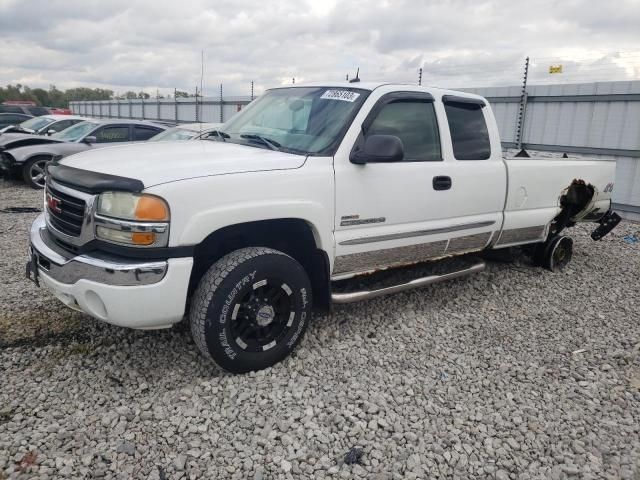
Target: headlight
(131, 206)
(132, 219)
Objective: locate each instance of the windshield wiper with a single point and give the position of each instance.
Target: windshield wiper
(219, 134)
(272, 144)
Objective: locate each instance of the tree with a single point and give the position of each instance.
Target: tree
(42, 96)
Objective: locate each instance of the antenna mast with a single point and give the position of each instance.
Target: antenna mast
(201, 90)
(356, 79)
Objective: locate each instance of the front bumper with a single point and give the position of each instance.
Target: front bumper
(121, 291)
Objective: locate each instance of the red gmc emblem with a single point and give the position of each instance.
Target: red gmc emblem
(53, 203)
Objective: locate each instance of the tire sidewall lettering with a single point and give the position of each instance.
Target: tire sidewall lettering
(224, 311)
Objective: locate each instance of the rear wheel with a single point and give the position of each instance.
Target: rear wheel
(559, 253)
(251, 309)
(554, 254)
(33, 171)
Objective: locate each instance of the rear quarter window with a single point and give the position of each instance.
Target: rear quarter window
(469, 133)
(144, 133)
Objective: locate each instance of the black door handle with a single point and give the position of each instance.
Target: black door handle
(441, 183)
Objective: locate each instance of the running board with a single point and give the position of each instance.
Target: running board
(416, 283)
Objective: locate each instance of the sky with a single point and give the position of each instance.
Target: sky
(157, 45)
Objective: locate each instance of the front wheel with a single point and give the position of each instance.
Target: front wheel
(33, 172)
(251, 309)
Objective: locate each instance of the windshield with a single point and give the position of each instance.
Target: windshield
(37, 123)
(76, 132)
(303, 120)
(175, 133)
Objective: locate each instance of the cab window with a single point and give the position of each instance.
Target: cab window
(469, 133)
(414, 122)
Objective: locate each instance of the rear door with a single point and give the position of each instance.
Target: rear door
(428, 205)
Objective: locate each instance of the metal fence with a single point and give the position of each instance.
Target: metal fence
(599, 120)
(176, 110)
(595, 119)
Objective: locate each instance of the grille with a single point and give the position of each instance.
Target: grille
(70, 215)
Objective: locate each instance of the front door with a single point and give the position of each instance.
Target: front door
(426, 206)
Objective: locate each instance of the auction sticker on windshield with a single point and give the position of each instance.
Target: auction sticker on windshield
(344, 95)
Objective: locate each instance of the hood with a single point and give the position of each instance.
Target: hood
(12, 140)
(161, 162)
(22, 154)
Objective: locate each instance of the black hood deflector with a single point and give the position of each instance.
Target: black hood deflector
(92, 182)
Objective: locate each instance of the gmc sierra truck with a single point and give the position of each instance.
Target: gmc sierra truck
(247, 232)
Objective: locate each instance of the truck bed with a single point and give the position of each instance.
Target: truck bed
(535, 186)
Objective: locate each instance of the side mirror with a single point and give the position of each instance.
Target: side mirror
(90, 139)
(379, 149)
(51, 131)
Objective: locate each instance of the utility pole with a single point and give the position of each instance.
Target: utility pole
(221, 106)
(197, 112)
(522, 111)
(175, 102)
(252, 91)
(420, 76)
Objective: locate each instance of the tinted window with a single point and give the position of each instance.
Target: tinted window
(61, 125)
(414, 122)
(11, 119)
(38, 111)
(113, 134)
(10, 109)
(144, 133)
(469, 132)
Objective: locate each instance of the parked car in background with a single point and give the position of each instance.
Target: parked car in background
(10, 119)
(32, 110)
(186, 131)
(29, 160)
(44, 124)
(60, 111)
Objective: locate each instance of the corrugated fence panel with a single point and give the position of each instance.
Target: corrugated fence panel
(136, 110)
(167, 111)
(187, 112)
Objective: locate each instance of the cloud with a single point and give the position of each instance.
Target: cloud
(156, 44)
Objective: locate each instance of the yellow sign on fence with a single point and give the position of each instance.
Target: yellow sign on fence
(555, 69)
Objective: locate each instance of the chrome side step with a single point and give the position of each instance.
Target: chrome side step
(416, 283)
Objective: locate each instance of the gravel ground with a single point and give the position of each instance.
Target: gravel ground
(513, 373)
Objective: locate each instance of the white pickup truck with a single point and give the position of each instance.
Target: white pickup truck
(247, 232)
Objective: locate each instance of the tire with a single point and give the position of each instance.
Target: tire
(33, 172)
(558, 253)
(251, 309)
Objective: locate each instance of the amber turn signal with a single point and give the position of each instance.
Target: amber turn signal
(150, 208)
(143, 238)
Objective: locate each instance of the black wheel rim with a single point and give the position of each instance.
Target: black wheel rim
(263, 316)
(37, 172)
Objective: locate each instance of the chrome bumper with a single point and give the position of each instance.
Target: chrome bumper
(98, 267)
